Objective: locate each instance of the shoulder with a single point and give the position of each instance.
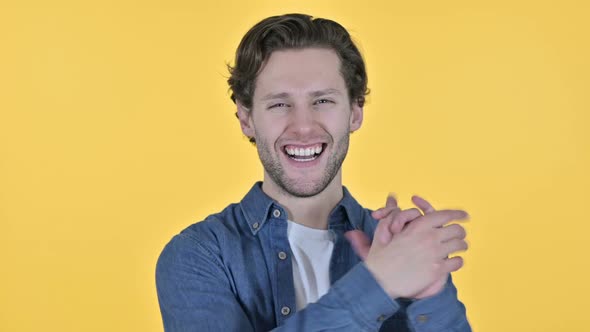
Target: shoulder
(216, 227)
(204, 239)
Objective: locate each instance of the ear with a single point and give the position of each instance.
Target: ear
(356, 117)
(245, 117)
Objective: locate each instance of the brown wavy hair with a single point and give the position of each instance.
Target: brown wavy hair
(295, 31)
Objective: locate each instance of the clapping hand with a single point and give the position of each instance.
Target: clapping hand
(423, 244)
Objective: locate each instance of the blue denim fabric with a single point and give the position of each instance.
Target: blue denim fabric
(232, 272)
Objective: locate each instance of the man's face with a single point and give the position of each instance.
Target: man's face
(301, 118)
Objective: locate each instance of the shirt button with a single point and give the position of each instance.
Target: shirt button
(422, 318)
(381, 318)
(276, 213)
(282, 255)
(255, 225)
(285, 310)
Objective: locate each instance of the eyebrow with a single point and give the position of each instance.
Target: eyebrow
(314, 94)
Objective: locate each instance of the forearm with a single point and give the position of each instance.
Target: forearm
(356, 302)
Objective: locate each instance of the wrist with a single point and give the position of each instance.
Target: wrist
(382, 281)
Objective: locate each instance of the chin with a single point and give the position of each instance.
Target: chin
(303, 188)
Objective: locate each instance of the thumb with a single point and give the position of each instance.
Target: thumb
(360, 243)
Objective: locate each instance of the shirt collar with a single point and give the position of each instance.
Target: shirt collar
(258, 208)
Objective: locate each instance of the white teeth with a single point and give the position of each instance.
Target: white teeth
(301, 152)
(305, 159)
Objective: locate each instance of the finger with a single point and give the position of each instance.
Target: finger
(402, 218)
(390, 205)
(449, 232)
(442, 217)
(423, 204)
(391, 200)
(385, 216)
(382, 232)
(360, 243)
(453, 246)
(452, 264)
(383, 212)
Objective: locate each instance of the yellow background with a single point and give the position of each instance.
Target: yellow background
(116, 132)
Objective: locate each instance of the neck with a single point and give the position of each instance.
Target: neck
(308, 211)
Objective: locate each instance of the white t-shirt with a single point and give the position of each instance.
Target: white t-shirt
(312, 250)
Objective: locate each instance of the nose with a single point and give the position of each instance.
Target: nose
(302, 120)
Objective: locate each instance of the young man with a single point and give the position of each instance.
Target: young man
(295, 253)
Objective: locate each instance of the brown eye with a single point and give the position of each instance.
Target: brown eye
(277, 105)
(322, 101)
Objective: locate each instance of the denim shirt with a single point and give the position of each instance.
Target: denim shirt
(232, 272)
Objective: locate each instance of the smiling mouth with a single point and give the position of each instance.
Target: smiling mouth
(304, 154)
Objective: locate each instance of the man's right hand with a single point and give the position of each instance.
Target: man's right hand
(417, 256)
